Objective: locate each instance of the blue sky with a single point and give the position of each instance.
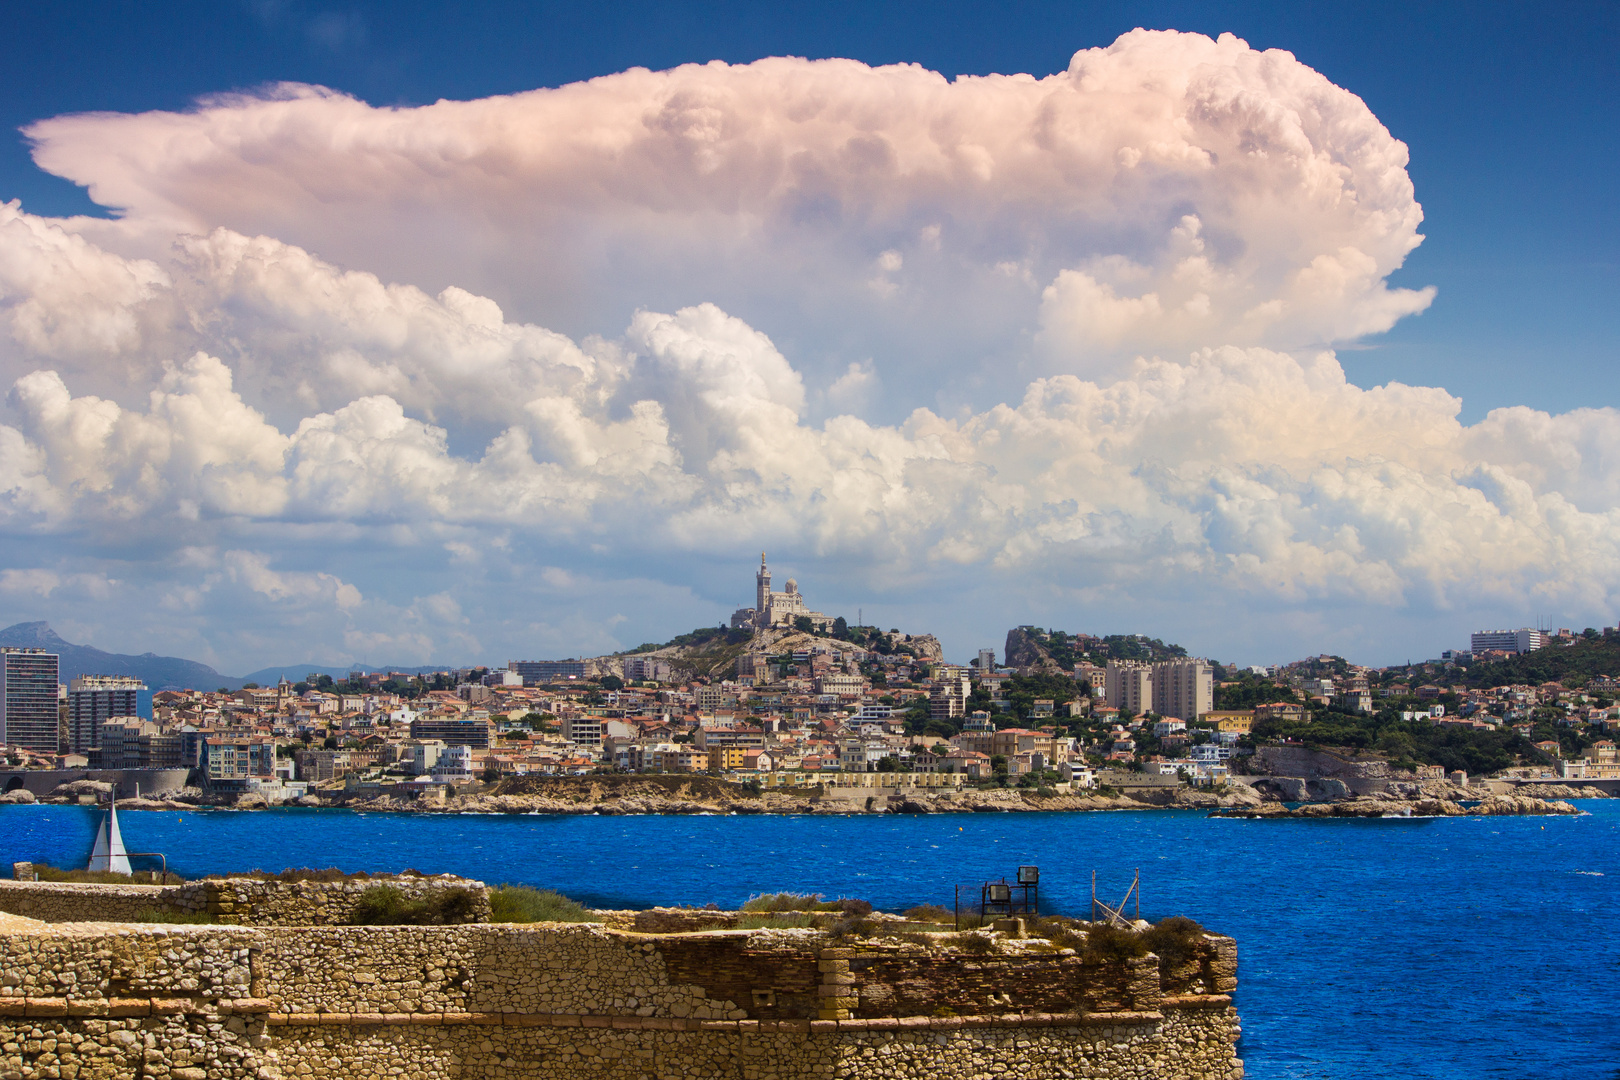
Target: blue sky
(327, 444)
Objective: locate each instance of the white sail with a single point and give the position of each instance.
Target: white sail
(109, 855)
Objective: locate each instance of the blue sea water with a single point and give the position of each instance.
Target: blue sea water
(1451, 949)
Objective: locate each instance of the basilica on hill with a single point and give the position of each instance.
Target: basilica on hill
(773, 609)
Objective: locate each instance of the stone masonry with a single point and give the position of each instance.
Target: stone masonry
(89, 1000)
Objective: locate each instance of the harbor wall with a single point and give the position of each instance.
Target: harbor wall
(580, 1001)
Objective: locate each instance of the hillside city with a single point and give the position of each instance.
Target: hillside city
(787, 697)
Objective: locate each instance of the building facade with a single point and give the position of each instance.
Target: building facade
(30, 716)
(95, 699)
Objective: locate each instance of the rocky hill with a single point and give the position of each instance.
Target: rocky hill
(713, 652)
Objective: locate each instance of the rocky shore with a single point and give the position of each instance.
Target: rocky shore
(1367, 807)
(697, 794)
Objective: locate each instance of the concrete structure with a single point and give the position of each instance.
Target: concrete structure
(95, 699)
(30, 716)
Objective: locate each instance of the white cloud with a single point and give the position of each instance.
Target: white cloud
(799, 189)
(1103, 295)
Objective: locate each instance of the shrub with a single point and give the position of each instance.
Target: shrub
(851, 926)
(1107, 943)
(977, 943)
(1175, 939)
(521, 904)
(930, 913)
(784, 901)
(159, 915)
(852, 907)
(386, 905)
(1062, 932)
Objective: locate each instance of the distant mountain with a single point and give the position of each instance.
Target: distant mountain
(296, 672)
(158, 672)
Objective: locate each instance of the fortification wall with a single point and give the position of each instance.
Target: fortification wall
(231, 901)
(552, 1000)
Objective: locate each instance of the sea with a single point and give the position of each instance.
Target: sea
(1448, 948)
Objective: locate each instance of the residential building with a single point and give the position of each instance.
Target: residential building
(1128, 684)
(646, 669)
(540, 672)
(582, 730)
(1513, 641)
(94, 699)
(227, 758)
(452, 732)
(30, 716)
(948, 700)
(1183, 688)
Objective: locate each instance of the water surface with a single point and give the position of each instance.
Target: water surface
(1451, 949)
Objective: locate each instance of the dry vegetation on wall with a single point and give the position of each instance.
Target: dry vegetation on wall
(47, 872)
(385, 905)
(522, 904)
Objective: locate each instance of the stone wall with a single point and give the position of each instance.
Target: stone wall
(242, 901)
(579, 1001)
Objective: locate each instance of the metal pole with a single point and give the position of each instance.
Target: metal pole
(958, 909)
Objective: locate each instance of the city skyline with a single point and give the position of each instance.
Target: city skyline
(1160, 338)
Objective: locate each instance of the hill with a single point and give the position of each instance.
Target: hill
(158, 672)
(713, 651)
(1033, 650)
(1569, 664)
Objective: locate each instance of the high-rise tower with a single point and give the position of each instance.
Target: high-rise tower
(762, 586)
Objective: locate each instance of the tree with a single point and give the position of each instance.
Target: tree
(998, 764)
(803, 624)
(888, 764)
(841, 628)
(611, 682)
(492, 773)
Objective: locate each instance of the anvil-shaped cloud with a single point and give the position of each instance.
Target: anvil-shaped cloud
(990, 350)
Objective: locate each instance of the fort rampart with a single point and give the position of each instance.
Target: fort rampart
(92, 1000)
(244, 901)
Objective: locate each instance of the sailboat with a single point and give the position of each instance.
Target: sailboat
(109, 856)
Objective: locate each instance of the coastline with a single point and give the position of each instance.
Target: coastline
(676, 795)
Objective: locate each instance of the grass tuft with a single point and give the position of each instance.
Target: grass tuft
(928, 913)
(522, 904)
(159, 915)
(386, 905)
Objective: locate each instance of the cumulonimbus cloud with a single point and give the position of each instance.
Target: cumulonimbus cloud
(289, 332)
